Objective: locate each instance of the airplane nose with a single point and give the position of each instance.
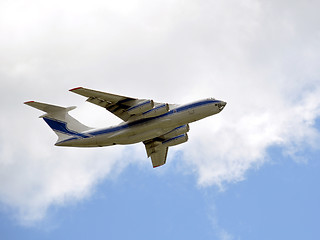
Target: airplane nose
(221, 105)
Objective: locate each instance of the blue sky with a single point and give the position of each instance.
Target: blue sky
(250, 172)
(279, 200)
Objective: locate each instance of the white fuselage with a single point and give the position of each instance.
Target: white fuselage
(145, 129)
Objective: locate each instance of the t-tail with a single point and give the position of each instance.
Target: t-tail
(60, 121)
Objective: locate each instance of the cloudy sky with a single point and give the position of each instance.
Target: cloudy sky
(250, 172)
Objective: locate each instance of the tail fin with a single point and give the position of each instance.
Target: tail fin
(60, 121)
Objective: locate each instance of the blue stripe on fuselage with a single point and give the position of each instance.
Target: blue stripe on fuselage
(61, 127)
(196, 104)
(144, 120)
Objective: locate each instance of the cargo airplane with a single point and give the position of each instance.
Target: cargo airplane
(158, 125)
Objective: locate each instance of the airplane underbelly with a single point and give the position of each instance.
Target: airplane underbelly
(142, 136)
(146, 131)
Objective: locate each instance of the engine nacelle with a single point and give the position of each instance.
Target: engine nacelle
(141, 107)
(177, 131)
(158, 110)
(175, 140)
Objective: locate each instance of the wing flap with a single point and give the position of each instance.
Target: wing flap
(121, 106)
(157, 153)
(159, 157)
(116, 104)
(102, 99)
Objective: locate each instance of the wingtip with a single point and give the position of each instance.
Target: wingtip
(73, 89)
(27, 102)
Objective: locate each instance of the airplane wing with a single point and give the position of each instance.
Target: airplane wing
(123, 107)
(157, 148)
(158, 155)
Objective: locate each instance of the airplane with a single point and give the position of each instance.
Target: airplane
(158, 125)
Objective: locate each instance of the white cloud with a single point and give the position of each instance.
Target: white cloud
(260, 57)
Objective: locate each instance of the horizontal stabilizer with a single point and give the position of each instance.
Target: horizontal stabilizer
(48, 108)
(60, 121)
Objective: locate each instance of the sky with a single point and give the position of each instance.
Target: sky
(249, 172)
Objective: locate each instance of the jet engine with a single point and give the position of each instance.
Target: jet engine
(175, 140)
(177, 131)
(141, 107)
(158, 110)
